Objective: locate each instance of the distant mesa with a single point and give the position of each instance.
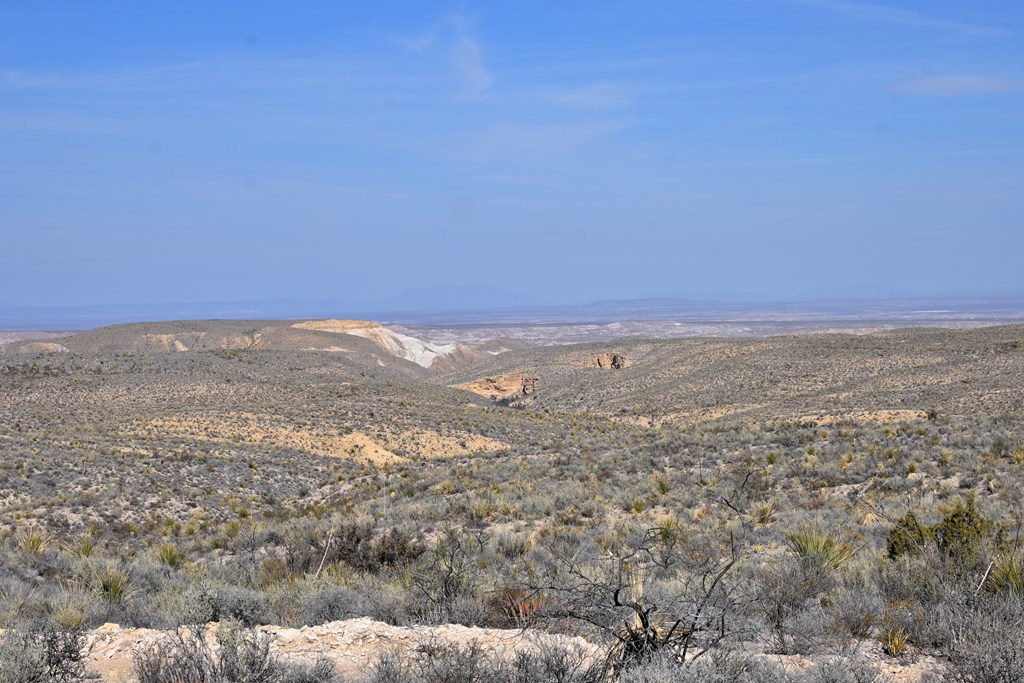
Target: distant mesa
(503, 388)
(608, 361)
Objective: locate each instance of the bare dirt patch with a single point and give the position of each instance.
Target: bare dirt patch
(324, 440)
(43, 347)
(355, 645)
(868, 417)
(352, 645)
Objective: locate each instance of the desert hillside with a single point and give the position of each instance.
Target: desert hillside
(790, 497)
(369, 341)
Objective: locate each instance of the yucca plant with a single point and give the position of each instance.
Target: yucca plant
(895, 641)
(763, 513)
(668, 529)
(112, 585)
(823, 548)
(663, 485)
(170, 555)
(32, 542)
(84, 548)
(1007, 577)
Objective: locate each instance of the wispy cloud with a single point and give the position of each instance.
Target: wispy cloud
(420, 43)
(60, 122)
(454, 39)
(467, 57)
(621, 94)
(955, 86)
(898, 16)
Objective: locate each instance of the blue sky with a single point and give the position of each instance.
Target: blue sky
(558, 152)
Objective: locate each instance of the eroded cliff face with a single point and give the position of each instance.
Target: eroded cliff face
(423, 353)
(608, 361)
(505, 388)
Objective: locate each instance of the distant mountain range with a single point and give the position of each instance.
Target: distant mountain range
(902, 311)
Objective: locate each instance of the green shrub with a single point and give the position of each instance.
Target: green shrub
(908, 537)
(961, 535)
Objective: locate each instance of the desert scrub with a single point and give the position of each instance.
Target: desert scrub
(435, 662)
(42, 655)
(987, 644)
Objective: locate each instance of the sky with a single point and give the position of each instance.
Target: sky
(379, 154)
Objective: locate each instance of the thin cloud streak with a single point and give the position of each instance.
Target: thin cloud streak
(810, 162)
(899, 17)
(957, 86)
(595, 95)
(166, 77)
(513, 143)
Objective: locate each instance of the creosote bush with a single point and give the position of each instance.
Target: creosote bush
(241, 656)
(42, 655)
(435, 662)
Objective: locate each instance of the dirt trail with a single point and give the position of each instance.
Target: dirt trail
(352, 645)
(355, 645)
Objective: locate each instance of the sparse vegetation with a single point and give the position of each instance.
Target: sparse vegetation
(797, 495)
(241, 657)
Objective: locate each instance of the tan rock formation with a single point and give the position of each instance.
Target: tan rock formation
(502, 387)
(608, 361)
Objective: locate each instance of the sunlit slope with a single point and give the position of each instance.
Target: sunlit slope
(891, 375)
(367, 340)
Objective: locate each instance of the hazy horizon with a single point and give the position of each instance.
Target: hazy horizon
(429, 307)
(526, 154)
